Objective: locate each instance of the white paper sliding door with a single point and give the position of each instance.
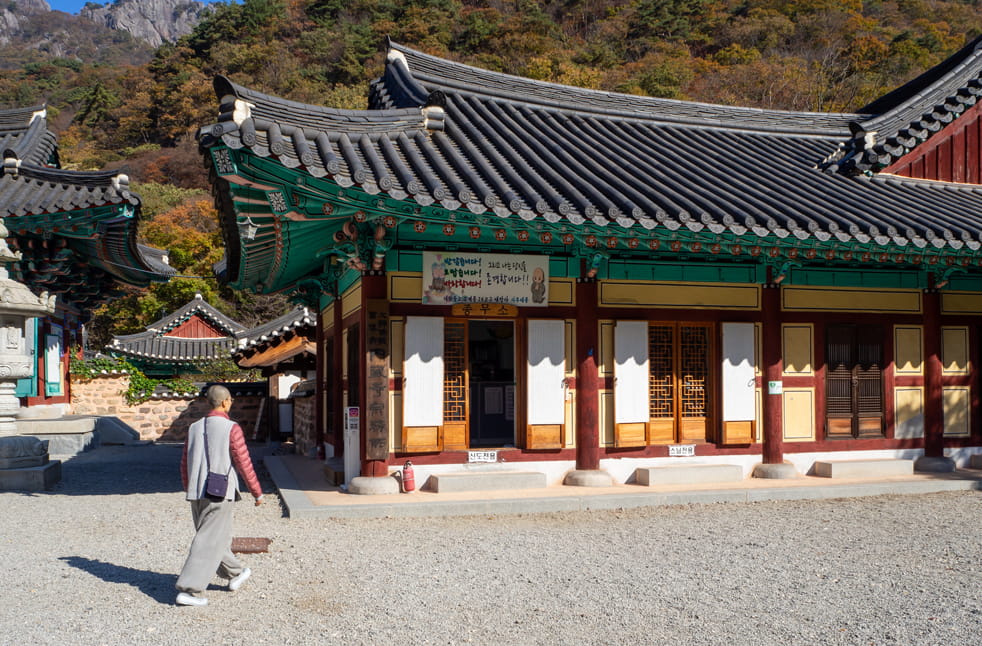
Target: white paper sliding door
(631, 409)
(422, 394)
(546, 372)
(739, 371)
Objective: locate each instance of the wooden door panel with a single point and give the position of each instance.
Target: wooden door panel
(692, 430)
(629, 435)
(661, 431)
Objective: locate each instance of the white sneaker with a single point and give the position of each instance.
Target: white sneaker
(236, 582)
(185, 599)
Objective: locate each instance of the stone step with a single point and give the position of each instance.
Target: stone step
(688, 474)
(113, 430)
(863, 468)
(68, 435)
(334, 471)
(486, 481)
(975, 462)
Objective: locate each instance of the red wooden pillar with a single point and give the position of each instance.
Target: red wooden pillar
(773, 465)
(773, 367)
(320, 412)
(336, 380)
(372, 287)
(933, 392)
(587, 377)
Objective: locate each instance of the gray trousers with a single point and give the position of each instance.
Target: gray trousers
(211, 549)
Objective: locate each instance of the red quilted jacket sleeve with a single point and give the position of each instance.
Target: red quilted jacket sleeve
(241, 460)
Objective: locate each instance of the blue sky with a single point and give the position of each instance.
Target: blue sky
(73, 6)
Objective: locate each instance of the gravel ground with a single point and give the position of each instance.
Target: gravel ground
(95, 562)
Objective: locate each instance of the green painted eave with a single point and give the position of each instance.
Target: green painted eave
(299, 222)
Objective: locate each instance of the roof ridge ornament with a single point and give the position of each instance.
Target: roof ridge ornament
(395, 55)
(11, 165)
(39, 114)
(242, 111)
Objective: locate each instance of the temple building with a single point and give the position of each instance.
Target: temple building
(180, 343)
(577, 282)
(76, 236)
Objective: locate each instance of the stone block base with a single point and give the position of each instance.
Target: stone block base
(40, 478)
(486, 481)
(782, 471)
(926, 464)
(366, 486)
(863, 468)
(689, 474)
(975, 462)
(588, 478)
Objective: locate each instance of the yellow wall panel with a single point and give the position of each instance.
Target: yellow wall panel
(606, 354)
(405, 286)
(797, 351)
(562, 291)
(908, 406)
(849, 299)
(961, 302)
(956, 410)
(606, 418)
(798, 416)
(908, 350)
(327, 318)
(351, 300)
(715, 296)
(954, 350)
(397, 345)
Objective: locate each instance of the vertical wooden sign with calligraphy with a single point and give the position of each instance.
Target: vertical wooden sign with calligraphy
(376, 408)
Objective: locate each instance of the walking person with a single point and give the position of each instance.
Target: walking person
(215, 443)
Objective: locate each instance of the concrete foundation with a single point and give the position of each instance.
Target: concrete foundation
(975, 462)
(39, 478)
(588, 478)
(69, 435)
(927, 464)
(366, 486)
(782, 471)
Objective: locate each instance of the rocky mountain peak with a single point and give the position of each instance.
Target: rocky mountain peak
(154, 21)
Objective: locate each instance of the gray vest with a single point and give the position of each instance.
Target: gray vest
(218, 454)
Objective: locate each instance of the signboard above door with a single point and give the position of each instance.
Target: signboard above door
(451, 278)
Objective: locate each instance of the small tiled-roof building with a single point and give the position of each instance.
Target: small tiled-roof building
(76, 233)
(180, 342)
(578, 279)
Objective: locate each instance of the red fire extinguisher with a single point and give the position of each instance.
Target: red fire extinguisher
(408, 477)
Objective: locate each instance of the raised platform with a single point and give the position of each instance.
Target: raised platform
(485, 481)
(39, 478)
(68, 435)
(688, 474)
(975, 462)
(864, 468)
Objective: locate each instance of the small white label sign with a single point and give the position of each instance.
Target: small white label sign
(681, 450)
(482, 456)
(775, 387)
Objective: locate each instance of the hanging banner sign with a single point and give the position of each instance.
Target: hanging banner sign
(450, 278)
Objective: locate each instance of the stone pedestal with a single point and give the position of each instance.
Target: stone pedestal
(778, 471)
(928, 464)
(588, 478)
(369, 486)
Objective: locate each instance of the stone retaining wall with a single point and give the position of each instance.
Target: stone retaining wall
(165, 417)
(305, 424)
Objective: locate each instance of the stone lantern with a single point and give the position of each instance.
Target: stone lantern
(17, 304)
(23, 460)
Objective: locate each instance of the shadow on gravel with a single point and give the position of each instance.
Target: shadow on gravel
(121, 470)
(159, 587)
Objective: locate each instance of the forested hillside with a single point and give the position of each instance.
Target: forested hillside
(820, 55)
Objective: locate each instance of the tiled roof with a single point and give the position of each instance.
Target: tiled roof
(292, 322)
(75, 230)
(450, 135)
(153, 345)
(201, 307)
(898, 122)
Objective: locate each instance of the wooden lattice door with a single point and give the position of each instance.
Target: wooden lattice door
(455, 384)
(854, 381)
(679, 356)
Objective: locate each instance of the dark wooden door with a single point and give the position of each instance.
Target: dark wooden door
(854, 381)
